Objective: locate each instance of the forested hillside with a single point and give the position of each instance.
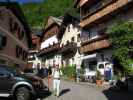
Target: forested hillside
(37, 13)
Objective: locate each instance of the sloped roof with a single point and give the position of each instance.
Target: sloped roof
(52, 20)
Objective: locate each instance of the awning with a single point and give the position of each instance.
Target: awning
(89, 56)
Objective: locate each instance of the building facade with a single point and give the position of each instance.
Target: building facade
(70, 41)
(33, 59)
(96, 17)
(15, 39)
(50, 43)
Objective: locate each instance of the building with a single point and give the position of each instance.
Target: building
(33, 60)
(96, 16)
(15, 39)
(69, 36)
(50, 43)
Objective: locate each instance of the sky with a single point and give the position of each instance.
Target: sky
(24, 1)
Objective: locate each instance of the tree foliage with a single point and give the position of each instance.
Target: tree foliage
(37, 13)
(121, 37)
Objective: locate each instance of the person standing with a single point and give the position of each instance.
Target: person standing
(49, 77)
(57, 73)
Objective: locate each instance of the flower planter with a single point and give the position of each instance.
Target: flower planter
(99, 82)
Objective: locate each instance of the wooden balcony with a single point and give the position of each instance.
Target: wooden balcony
(69, 47)
(95, 44)
(82, 2)
(51, 49)
(104, 12)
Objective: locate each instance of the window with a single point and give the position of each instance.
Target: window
(18, 51)
(11, 24)
(25, 54)
(21, 35)
(18, 33)
(3, 41)
(92, 65)
(67, 42)
(78, 37)
(3, 71)
(15, 27)
(101, 66)
(72, 39)
(68, 28)
(102, 31)
(1, 15)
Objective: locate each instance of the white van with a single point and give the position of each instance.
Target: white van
(101, 66)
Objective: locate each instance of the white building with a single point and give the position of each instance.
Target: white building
(70, 41)
(51, 45)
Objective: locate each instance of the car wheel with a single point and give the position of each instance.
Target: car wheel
(22, 93)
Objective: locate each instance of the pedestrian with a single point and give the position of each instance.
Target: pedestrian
(108, 72)
(56, 73)
(49, 71)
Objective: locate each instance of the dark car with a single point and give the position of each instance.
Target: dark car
(18, 86)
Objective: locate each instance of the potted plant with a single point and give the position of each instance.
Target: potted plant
(99, 80)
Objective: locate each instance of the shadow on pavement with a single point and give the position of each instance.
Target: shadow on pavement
(115, 94)
(2, 98)
(43, 94)
(64, 91)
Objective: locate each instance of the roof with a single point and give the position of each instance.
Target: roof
(67, 19)
(17, 11)
(51, 20)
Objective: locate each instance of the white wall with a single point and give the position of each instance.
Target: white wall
(71, 31)
(49, 41)
(74, 31)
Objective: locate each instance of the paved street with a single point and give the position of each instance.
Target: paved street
(74, 91)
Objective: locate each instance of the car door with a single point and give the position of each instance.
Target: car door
(6, 81)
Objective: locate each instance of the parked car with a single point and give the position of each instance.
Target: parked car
(19, 86)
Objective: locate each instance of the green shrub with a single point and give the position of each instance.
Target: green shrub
(69, 71)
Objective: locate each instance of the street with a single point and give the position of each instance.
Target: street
(77, 91)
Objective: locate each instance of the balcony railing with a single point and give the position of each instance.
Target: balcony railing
(69, 47)
(95, 44)
(104, 12)
(49, 49)
(96, 7)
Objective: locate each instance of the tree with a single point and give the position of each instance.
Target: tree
(37, 13)
(121, 37)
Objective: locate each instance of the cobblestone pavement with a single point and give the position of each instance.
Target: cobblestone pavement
(74, 91)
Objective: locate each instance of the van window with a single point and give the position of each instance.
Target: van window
(101, 66)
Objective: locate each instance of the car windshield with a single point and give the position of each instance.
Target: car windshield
(101, 66)
(8, 69)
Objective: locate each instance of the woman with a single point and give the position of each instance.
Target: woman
(49, 77)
